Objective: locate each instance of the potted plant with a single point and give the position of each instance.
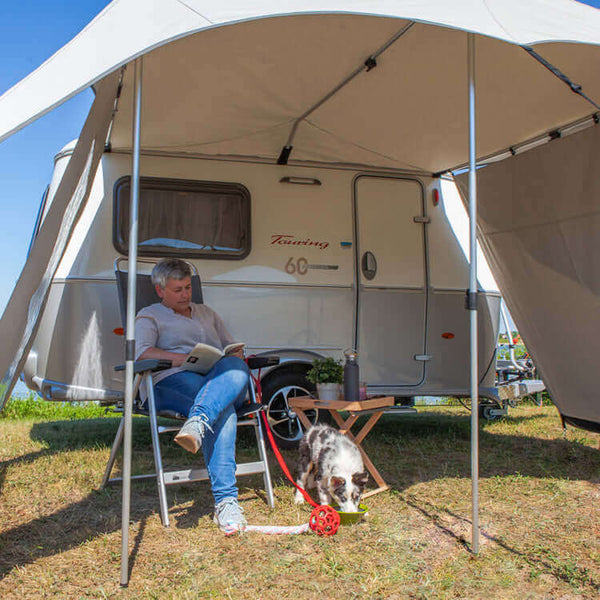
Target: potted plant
(327, 374)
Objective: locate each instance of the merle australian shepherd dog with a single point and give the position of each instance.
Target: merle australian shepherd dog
(334, 464)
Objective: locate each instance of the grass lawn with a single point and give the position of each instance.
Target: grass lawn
(539, 498)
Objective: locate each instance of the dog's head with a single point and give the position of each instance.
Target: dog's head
(347, 491)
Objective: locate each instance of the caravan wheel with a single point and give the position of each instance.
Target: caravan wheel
(277, 389)
(487, 408)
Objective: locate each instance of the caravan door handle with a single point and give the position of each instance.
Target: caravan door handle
(369, 265)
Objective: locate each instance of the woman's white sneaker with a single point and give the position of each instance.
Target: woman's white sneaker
(191, 434)
(229, 516)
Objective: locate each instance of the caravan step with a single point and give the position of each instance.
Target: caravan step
(397, 410)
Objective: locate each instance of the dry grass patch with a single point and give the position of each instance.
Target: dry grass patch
(60, 533)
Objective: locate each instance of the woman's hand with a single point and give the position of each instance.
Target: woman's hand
(176, 358)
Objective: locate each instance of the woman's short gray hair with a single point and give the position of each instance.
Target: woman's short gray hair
(170, 268)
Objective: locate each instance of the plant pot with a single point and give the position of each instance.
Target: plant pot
(328, 391)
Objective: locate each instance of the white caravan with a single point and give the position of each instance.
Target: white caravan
(299, 261)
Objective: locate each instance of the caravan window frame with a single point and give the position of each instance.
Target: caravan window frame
(121, 224)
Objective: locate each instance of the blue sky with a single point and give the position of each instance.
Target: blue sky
(30, 32)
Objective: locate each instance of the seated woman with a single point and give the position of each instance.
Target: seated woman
(169, 330)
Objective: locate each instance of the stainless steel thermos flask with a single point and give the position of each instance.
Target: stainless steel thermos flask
(351, 391)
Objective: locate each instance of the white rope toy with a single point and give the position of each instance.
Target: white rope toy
(271, 529)
(324, 520)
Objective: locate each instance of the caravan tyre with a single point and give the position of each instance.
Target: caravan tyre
(485, 411)
(277, 388)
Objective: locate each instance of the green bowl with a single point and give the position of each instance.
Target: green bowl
(349, 518)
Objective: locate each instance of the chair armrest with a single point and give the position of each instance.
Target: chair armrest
(149, 364)
(258, 362)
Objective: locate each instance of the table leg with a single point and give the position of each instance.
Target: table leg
(303, 418)
(362, 434)
(344, 427)
(376, 475)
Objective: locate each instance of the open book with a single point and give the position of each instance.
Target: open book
(203, 357)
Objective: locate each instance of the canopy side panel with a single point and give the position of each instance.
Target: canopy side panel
(539, 225)
(24, 309)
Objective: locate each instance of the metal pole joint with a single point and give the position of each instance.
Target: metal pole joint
(471, 300)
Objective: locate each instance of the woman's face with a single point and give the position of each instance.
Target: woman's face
(177, 294)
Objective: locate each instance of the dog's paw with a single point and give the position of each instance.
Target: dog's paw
(298, 498)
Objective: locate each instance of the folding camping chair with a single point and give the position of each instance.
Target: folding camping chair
(146, 295)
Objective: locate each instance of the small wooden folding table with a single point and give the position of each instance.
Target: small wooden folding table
(376, 406)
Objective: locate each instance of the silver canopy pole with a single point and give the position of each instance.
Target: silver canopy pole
(472, 302)
(130, 339)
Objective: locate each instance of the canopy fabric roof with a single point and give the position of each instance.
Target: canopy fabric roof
(272, 70)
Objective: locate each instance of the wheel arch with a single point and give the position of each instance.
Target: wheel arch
(287, 379)
(288, 359)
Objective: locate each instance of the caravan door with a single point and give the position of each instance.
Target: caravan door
(391, 280)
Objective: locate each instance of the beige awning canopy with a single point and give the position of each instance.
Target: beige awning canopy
(237, 90)
(231, 79)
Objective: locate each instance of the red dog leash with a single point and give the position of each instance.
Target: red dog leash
(324, 520)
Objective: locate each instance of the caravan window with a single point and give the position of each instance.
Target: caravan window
(185, 218)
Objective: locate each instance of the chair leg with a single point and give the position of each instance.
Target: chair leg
(160, 474)
(263, 456)
(162, 490)
(113, 453)
(262, 451)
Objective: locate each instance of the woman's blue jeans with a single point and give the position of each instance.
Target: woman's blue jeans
(216, 395)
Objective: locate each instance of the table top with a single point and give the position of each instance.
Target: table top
(307, 402)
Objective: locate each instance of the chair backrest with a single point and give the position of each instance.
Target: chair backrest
(145, 292)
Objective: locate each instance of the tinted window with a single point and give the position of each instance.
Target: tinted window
(185, 218)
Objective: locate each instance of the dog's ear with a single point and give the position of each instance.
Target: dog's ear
(337, 482)
(360, 479)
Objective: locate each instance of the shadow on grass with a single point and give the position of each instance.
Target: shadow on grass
(412, 449)
(67, 528)
(100, 512)
(573, 575)
(407, 450)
